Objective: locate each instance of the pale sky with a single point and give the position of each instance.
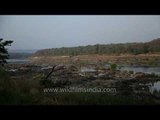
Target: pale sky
(39, 32)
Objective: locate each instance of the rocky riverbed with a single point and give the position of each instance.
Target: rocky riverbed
(90, 75)
(31, 79)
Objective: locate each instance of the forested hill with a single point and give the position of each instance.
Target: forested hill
(20, 53)
(13, 55)
(117, 49)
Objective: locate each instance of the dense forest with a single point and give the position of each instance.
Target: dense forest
(117, 49)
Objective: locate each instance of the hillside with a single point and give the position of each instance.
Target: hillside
(20, 53)
(108, 49)
(13, 55)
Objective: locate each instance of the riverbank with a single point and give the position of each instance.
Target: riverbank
(26, 84)
(132, 60)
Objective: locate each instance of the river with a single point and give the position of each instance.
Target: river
(18, 61)
(156, 70)
(150, 70)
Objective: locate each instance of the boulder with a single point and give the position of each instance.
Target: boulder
(46, 68)
(103, 75)
(13, 70)
(139, 75)
(71, 69)
(24, 69)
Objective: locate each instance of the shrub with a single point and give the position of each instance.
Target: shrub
(113, 67)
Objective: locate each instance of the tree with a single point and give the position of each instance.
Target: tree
(97, 48)
(145, 49)
(3, 51)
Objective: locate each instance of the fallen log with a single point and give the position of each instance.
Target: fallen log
(54, 69)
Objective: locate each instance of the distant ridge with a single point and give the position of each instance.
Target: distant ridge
(155, 41)
(152, 46)
(22, 51)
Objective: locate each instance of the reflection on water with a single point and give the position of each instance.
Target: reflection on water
(155, 70)
(155, 87)
(149, 70)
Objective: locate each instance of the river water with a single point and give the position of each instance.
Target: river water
(18, 61)
(155, 86)
(150, 70)
(156, 70)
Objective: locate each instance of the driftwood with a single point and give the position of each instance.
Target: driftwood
(54, 69)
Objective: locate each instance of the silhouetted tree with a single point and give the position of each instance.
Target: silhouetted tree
(3, 51)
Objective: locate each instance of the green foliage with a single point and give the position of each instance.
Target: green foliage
(3, 51)
(145, 49)
(113, 67)
(117, 49)
(131, 72)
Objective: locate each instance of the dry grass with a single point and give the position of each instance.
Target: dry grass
(147, 59)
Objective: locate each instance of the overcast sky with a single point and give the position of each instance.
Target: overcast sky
(39, 32)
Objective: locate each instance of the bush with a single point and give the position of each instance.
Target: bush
(113, 67)
(131, 72)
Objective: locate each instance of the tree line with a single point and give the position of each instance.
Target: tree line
(109, 49)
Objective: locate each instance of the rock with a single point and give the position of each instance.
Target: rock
(103, 75)
(59, 67)
(13, 70)
(88, 70)
(24, 69)
(130, 78)
(100, 69)
(80, 74)
(34, 68)
(46, 68)
(72, 68)
(139, 75)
